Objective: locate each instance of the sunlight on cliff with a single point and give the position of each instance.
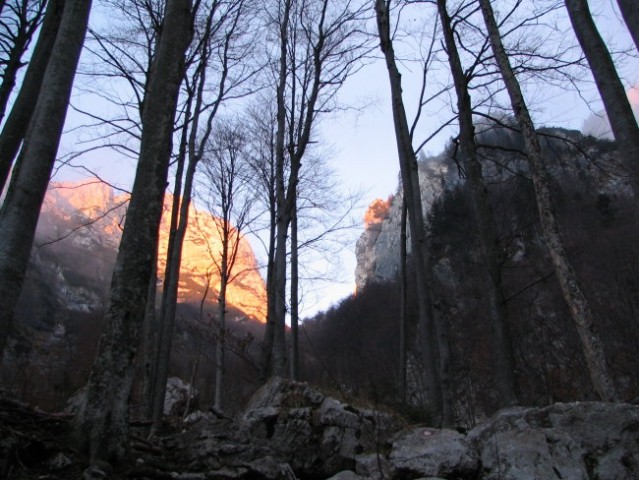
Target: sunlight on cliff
(377, 211)
(88, 213)
(201, 252)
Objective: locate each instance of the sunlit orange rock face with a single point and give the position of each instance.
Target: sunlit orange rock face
(377, 211)
(201, 254)
(100, 214)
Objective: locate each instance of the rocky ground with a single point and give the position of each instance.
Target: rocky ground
(292, 431)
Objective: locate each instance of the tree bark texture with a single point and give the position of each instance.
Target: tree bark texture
(102, 424)
(630, 12)
(295, 356)
(429, 330)
(166, 322)
(21, 208)
(503, 358)
(576, 301)
(403, 301)
(220, 351)
(148, 344)
(269, 328)
(17, 122)
(155, 340)
(620, 114)
(277, 294)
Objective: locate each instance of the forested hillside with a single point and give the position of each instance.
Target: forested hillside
(595, 208)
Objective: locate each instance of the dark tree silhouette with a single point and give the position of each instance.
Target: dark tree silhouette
(102, 424)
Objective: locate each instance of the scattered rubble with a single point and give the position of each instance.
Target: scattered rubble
(291, 431)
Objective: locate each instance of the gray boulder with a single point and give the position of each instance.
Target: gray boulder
(428, 452)
(177, 396)
(568, 441)
(345, 475)
(372, 465)
(317, 435)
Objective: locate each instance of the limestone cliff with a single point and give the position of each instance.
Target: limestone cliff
(377, 249)
(84, 221)
(592, 162)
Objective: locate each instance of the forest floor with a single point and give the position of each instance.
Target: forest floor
(36, 445)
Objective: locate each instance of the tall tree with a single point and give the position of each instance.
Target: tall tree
(573, 295)
(262, 120)
(432, 337)
(403, 304)
(630, 12)
(275, 335)
(503, 359)
(318, 47)
(17, 122)
(294, 362)
(21, 208)
(620, 115)
(223, 44)
(122, 52)
(101, 426)
(230, 197)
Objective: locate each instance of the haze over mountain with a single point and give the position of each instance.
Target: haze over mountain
(86, 218)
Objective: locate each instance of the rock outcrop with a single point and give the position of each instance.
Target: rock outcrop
(569, 441)
(289, 430)
(292, 431)
(377, 249)
(85, 219)
(296, 429)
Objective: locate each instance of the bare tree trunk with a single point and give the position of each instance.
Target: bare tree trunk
(278, 360)
(620, 114)
(278, 293)
(221, 320)
(269, 330)
(149, 344)
(21, 208)
(503, 358)
(403, 310)
(102, 424)
(17, 122)
(630, 12)
(429, 335)
(166, 322)
(295, 357)
(575, 299)
(192, 145)
(158, 337)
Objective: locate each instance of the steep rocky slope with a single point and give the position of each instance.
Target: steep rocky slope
(377, 250)
(599, 224)
(86, 219)
(67, 286)
(575, 157)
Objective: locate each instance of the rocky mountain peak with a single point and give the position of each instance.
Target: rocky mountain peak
(87, 217)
